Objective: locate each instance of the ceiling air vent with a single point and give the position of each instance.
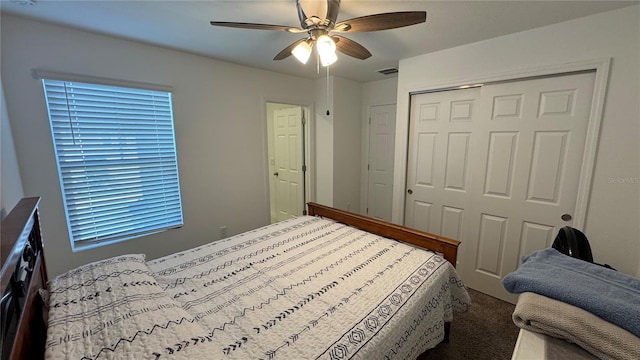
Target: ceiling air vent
(388, 71)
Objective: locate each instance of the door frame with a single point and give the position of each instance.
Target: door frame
(601, 68)
(308, 146)
(366, 159)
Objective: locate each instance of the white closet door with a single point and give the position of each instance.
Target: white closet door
(441, 127)
(516, 168)
(382, 120)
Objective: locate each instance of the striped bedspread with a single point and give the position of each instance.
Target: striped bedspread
(306, 288)
(311, 288)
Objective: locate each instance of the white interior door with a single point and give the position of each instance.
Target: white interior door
(522, 164)
(382, 129)
(528, 168)
(288, 160)
(439, 147)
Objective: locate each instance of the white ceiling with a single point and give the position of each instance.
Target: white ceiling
(184, 25)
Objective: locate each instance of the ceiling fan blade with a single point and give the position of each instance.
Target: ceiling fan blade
(301, 14)
(286, 52)
(333, 6)
(256, 26)
(317, 12)
(382, 21)
(350, 47)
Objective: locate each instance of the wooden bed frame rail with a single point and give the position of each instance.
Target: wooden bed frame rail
(23, 275)
(447, 247)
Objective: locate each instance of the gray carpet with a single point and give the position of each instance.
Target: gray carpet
(486, 331)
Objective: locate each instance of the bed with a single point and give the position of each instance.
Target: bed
(331, 285)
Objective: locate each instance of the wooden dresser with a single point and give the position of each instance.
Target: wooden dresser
(23, 274)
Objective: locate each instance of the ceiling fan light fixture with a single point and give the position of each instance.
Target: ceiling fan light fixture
(328, 59)
(302, 52)
(326, 49)
(318, 20)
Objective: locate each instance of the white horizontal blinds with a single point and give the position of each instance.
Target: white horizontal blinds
(117, 160)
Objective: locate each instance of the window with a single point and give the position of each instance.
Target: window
(116, 155)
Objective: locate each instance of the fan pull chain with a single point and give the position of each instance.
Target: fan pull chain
(328, 113)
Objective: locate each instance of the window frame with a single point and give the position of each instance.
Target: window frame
(175, 196)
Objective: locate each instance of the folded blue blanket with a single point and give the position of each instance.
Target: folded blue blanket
(613, 296)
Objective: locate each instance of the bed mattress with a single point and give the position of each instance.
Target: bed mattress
(306, 288)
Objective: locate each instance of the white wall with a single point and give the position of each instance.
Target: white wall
(338, 142)
(374, 93)
(220, 127)
(324, 141)
(347, 118)
(10, 181)
(613, 217)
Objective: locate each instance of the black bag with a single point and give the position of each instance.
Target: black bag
(574, 243)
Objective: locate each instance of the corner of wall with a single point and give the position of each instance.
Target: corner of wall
(347, 133)
(324, 142)
(10, 181)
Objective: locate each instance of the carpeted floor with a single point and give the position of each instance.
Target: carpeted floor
(485, 332)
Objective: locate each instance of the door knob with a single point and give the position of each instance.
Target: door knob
(275, 173)
(566, 217)
(410, 191)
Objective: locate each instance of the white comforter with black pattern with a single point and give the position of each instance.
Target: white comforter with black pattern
(307, 288)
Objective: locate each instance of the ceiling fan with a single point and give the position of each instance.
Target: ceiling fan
(318, 21)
